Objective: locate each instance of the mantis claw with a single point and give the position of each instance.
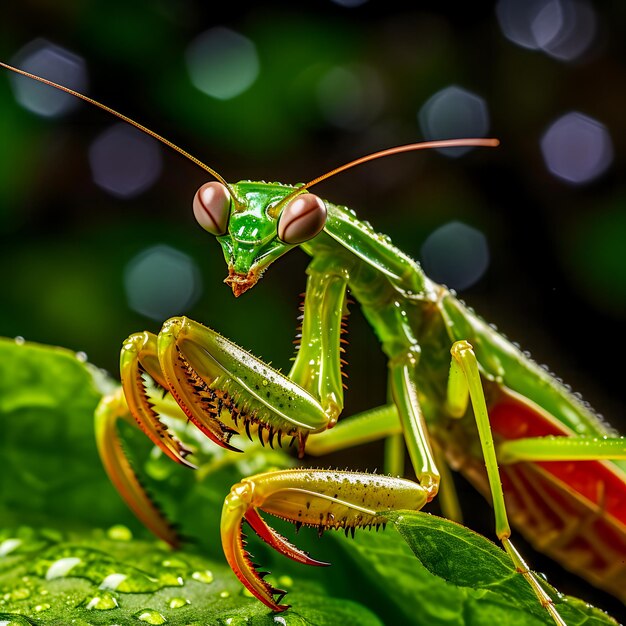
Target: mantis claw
(207, 374)
(200, 400)
(323, 499)
(221, 389)
(121, 472)
(217, 385)
(139, 357)
(234, 542)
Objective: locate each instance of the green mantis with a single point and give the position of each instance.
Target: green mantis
(459, 393)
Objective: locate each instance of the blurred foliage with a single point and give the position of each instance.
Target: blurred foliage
(556, 280)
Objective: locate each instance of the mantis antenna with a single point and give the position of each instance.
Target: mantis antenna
(445, 143)
(410, 147)
(125, 119)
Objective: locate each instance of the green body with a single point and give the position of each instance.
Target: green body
(409, 313)
(445, 367)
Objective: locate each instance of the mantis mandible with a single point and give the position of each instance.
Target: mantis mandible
(459, 391)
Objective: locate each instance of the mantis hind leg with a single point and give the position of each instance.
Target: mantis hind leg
(465, 384)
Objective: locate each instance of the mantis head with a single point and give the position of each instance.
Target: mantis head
(255, 223)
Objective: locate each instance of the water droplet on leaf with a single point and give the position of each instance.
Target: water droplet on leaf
(9, 545)
(17, 594)
(119, 532)
(205, 576)
(150, 616)
(174, 563)
(61, 567)
(177, 603)
(100, 602)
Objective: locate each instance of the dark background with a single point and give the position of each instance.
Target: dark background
(556, 281)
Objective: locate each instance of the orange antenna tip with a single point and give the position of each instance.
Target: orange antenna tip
(411, 147)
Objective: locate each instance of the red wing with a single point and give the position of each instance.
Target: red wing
(599, 483)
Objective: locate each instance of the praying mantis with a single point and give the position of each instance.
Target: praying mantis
(460, 393)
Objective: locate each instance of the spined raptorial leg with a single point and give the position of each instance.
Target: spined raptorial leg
(110, 411)
(465, 384)
(323, 499)
(205, 379)
(379, 423)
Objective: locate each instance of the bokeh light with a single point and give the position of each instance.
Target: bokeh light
(222, 63)
(576, 148)
(351, 97)
(564, 29)
(162, 281)
(577, 34)
(350, 4)
(124, 161)
(455, 255)
(57, 64)
(454, 113)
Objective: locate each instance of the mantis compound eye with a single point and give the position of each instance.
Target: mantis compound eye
(302, 219)
(211, 206)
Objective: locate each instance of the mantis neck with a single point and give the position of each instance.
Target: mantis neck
(370, 259)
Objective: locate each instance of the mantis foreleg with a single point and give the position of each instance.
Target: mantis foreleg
(320, 498)
(317, 367)
(118, 467)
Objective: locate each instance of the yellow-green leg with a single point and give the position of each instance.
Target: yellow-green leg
(110, 411)
(573, 448)
(356, 430)
(394, 455)
(379, 423)
(399, 422)
(465, 384)
(404, 394)
(319, 498)
(448, 498)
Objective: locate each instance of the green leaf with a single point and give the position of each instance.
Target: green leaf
(113, 579)
(487, 589)
(51, 470)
